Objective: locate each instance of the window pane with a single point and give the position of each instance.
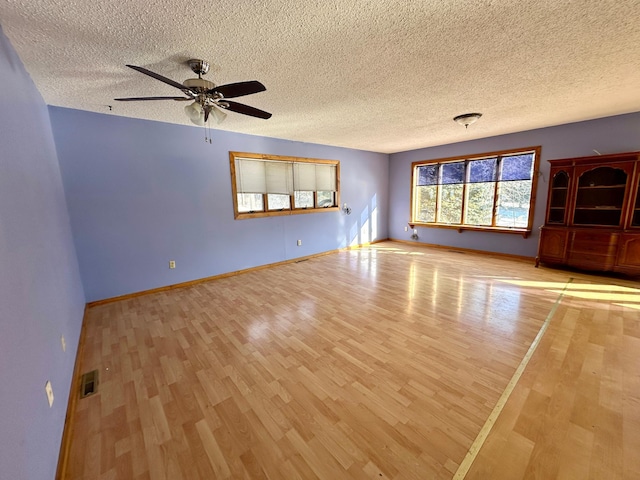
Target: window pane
(483, 170)
(450, 204)
(278, 202)
(250, 202)
(517, 167)
(452, 173)
(514, 199)
(479, 204)
(427, 175)
(425, 206)
(326, 199)
(303, 199)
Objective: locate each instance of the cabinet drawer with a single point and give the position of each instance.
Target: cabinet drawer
(591, 261)
(603, 243)
(595, 237)
(599, 248)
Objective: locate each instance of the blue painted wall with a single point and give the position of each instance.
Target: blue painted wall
(607, 135)
(141, 193)
(41, 295)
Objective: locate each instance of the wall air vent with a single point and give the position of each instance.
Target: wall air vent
(89, 384)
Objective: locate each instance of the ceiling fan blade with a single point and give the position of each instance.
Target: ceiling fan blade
(232, 90)
(244, 109)
(157, 76)
(136, 99)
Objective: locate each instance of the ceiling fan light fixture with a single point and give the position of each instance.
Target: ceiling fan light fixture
(195, 113)
(467, 119)
(218, 114)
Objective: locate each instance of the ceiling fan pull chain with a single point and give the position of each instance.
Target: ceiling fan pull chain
(207, 133)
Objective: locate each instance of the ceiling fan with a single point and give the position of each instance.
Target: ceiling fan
(208, 98)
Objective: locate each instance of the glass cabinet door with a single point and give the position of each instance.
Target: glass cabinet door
(600, 196)
(635, 214)
(558, 198)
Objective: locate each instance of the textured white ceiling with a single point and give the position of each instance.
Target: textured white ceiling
(380, 75)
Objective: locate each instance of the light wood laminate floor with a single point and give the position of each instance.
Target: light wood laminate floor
(383, 362)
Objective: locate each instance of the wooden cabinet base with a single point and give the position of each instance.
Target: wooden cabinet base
(629, 254)
(592, 250)
(553, 245)
(586, 249)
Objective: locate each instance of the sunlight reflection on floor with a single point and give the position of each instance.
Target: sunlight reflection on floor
(587, 291)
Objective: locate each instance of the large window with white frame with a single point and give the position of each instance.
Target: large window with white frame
(490, 191)
(268, 185)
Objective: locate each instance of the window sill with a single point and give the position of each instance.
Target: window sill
(460, 228)
(277, 213)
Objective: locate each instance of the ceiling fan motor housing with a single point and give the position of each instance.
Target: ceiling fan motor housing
(199, 85)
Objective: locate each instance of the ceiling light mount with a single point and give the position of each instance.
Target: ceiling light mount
(467, 119)
(199, 67)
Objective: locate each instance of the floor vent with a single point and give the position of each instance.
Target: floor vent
(89, 384)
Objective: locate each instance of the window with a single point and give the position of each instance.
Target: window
(266, 185)
(491, 191)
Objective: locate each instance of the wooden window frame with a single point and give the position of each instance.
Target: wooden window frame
(525, 232)
(292, 210)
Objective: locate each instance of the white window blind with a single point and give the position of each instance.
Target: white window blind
(279, 178)
(326, 178)
(250, 176)
(262, 176)
(304, 177)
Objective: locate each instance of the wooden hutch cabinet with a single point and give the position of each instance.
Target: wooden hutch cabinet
(593, 214)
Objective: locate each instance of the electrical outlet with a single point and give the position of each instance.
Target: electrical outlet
(406, 229)
(172, 264)
(64, 343)
(49, 391)
(299, 243)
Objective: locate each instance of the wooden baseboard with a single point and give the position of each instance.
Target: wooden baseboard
(74, 390)
(466, 250)
(223, 275)
(204, 279)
